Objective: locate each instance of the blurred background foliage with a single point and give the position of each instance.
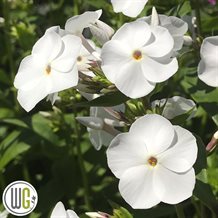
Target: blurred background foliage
(49, 149)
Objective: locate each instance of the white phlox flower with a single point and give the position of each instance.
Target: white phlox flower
(50, 68)
(85, 59)
(154, 162)
(4, 214)
(99, 29)
(176, 26)
(129, 7)
(137, 57)
(208, 66)
(175, 106)
(101, 125)
(60, 212)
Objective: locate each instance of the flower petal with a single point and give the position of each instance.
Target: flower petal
(156, 71)
(29, 73)
(137, 189)
(70, 214)
(128, 7)
(126, 151)
(114, 55)
(91, 122)
(208, 74)
(162, 45)
(155, 131)
(95, 138)
(66, 60)
(77, 23)
(131, 81)
(59, 211)
(209, 51)
(173, 188)
(29, 98)
(135, 34)
(61, 81)
(181, 156)
(48, 47)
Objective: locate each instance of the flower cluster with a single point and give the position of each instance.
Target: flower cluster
(152, 157)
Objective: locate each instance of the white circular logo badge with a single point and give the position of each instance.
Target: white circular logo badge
(20, 198)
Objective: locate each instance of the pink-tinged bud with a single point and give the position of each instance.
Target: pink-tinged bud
(98, 215)
(213, 142)
(212, 2)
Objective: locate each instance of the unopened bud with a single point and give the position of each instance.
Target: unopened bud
(213, 142)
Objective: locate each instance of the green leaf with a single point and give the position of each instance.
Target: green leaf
(42, 127)
(108, 100)
(12, 152)
(201, 162)
(204, 193)
(182, 118)
(15, 122)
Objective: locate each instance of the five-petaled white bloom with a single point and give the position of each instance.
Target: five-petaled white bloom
(60, 212)
(176, 26)
(137, 57)
(131, 8)
(153, 162)
(101, 125)
(208, 66)
(50, 68)
(175, 106)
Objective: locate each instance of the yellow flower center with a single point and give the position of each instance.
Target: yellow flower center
(48, 69)
(152, 161)
(137, 55)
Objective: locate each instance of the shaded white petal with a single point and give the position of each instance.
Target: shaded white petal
(131, 81)
(162, 45)
(29, 98)
(154, 17)
(77, 23)
(128, 7)
(29, 73)
(56, 29)
(48, 47)
(53, 97)
(156, 71)
(66, 60)
(71, 214)
(101, 31)
(155, 131)
(61, 81)
(173, 188)
(209, 51)
(175, 106)
(95, 138)
(137, 188)
(91, 122)
(106, 138)
(125, 151)
(183, 154)
(135, 34)
(114, 55)
(59, 211)
(208, 74)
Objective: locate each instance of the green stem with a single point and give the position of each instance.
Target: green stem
(82, 167)
(9, 48)
(179, 211)
(76, 7)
